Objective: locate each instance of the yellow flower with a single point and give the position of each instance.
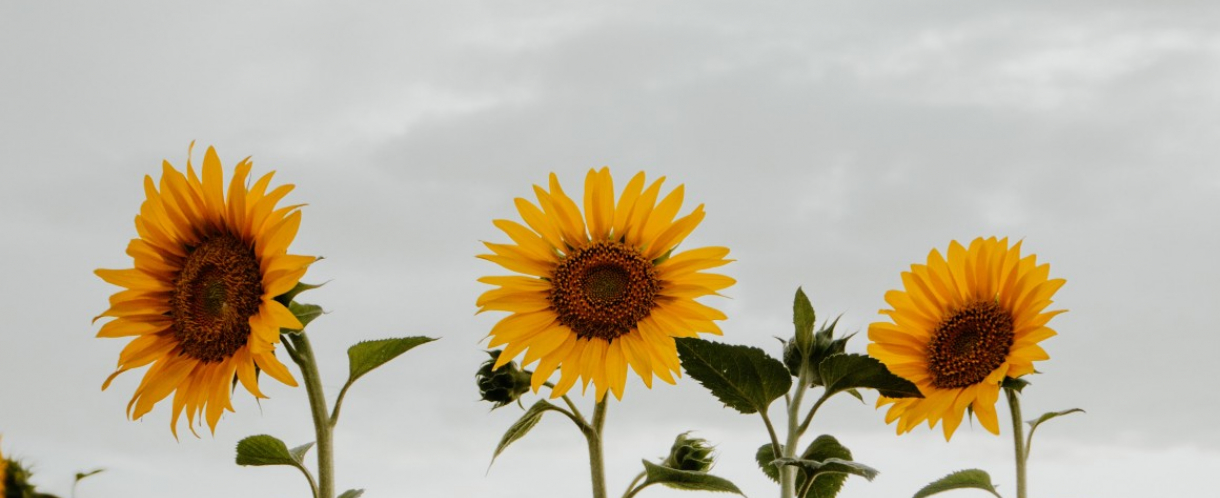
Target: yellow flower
(200, 301)
(960, 326)
(604, 290)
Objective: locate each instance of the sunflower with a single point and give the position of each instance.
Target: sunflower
(604, 290)
(200, 301)
(960, 327)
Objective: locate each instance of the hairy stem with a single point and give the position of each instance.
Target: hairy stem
(302, 355)
(597, 468)
(1018, 439)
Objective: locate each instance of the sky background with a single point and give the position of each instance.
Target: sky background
(833, 143)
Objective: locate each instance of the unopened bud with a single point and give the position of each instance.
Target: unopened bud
(501, 385)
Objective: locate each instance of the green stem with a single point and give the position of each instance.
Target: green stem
(302, 354)
(1018, 439)
(597, 468)
(788, 474)
(631, 489)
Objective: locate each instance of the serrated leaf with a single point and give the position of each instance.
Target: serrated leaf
(264, 450)
(1033, 424)
(803, 318)
(687, 479)
(962, 479)
(1014, 383)
(298, 453)
(305, 313)
(822, 449)
(523, 425)
(764, 456)
(367, 355)
(742, 377)
(844, 371)
(352, 493)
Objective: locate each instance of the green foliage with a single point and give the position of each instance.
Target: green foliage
(743, 378)
(352, 493)
(1033, 425)
(1014, 383)
(842, 371)
(299, 452)
(814, 469)
(962, 479)
(823, 449)
(300, 287)
(690, 453)
(268, 450)
(81, 475)
(367, 355)
(803, 318)
(764, 457)
(523, 425)
(686, 479)
(503, 385)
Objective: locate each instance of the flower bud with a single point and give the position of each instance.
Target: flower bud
(690, 453)
(501, 385)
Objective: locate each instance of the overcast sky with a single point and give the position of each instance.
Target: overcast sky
(833, 143)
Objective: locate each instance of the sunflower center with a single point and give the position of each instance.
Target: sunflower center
(218, 290)
(969, 345)
(604, 290)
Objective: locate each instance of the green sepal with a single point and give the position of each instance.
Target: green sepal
(1016, 384)
(367, 355)
(352, 493)
(803, 318)
(305, 313)
(743, 378)
(686, 479)
(267, 450)
(962, 479)
(300, 287)
(764, 457)
(523, 425)
(844, 371)
(824, 346)
(855, 393)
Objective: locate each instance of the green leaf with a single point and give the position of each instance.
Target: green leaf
(687, 479)
(264, 450)
(1033, 424)
(298, 453)
(1013, 383)
(82, 475)
(842, 371)
(523, 425)
(352, 493)
(743, 378)
(855, 393)
(300, 287)
(305, 313)
(803, 318)
(367, 355)
(962, 479)
(813, 468)
(764, 456)
(823, 449)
